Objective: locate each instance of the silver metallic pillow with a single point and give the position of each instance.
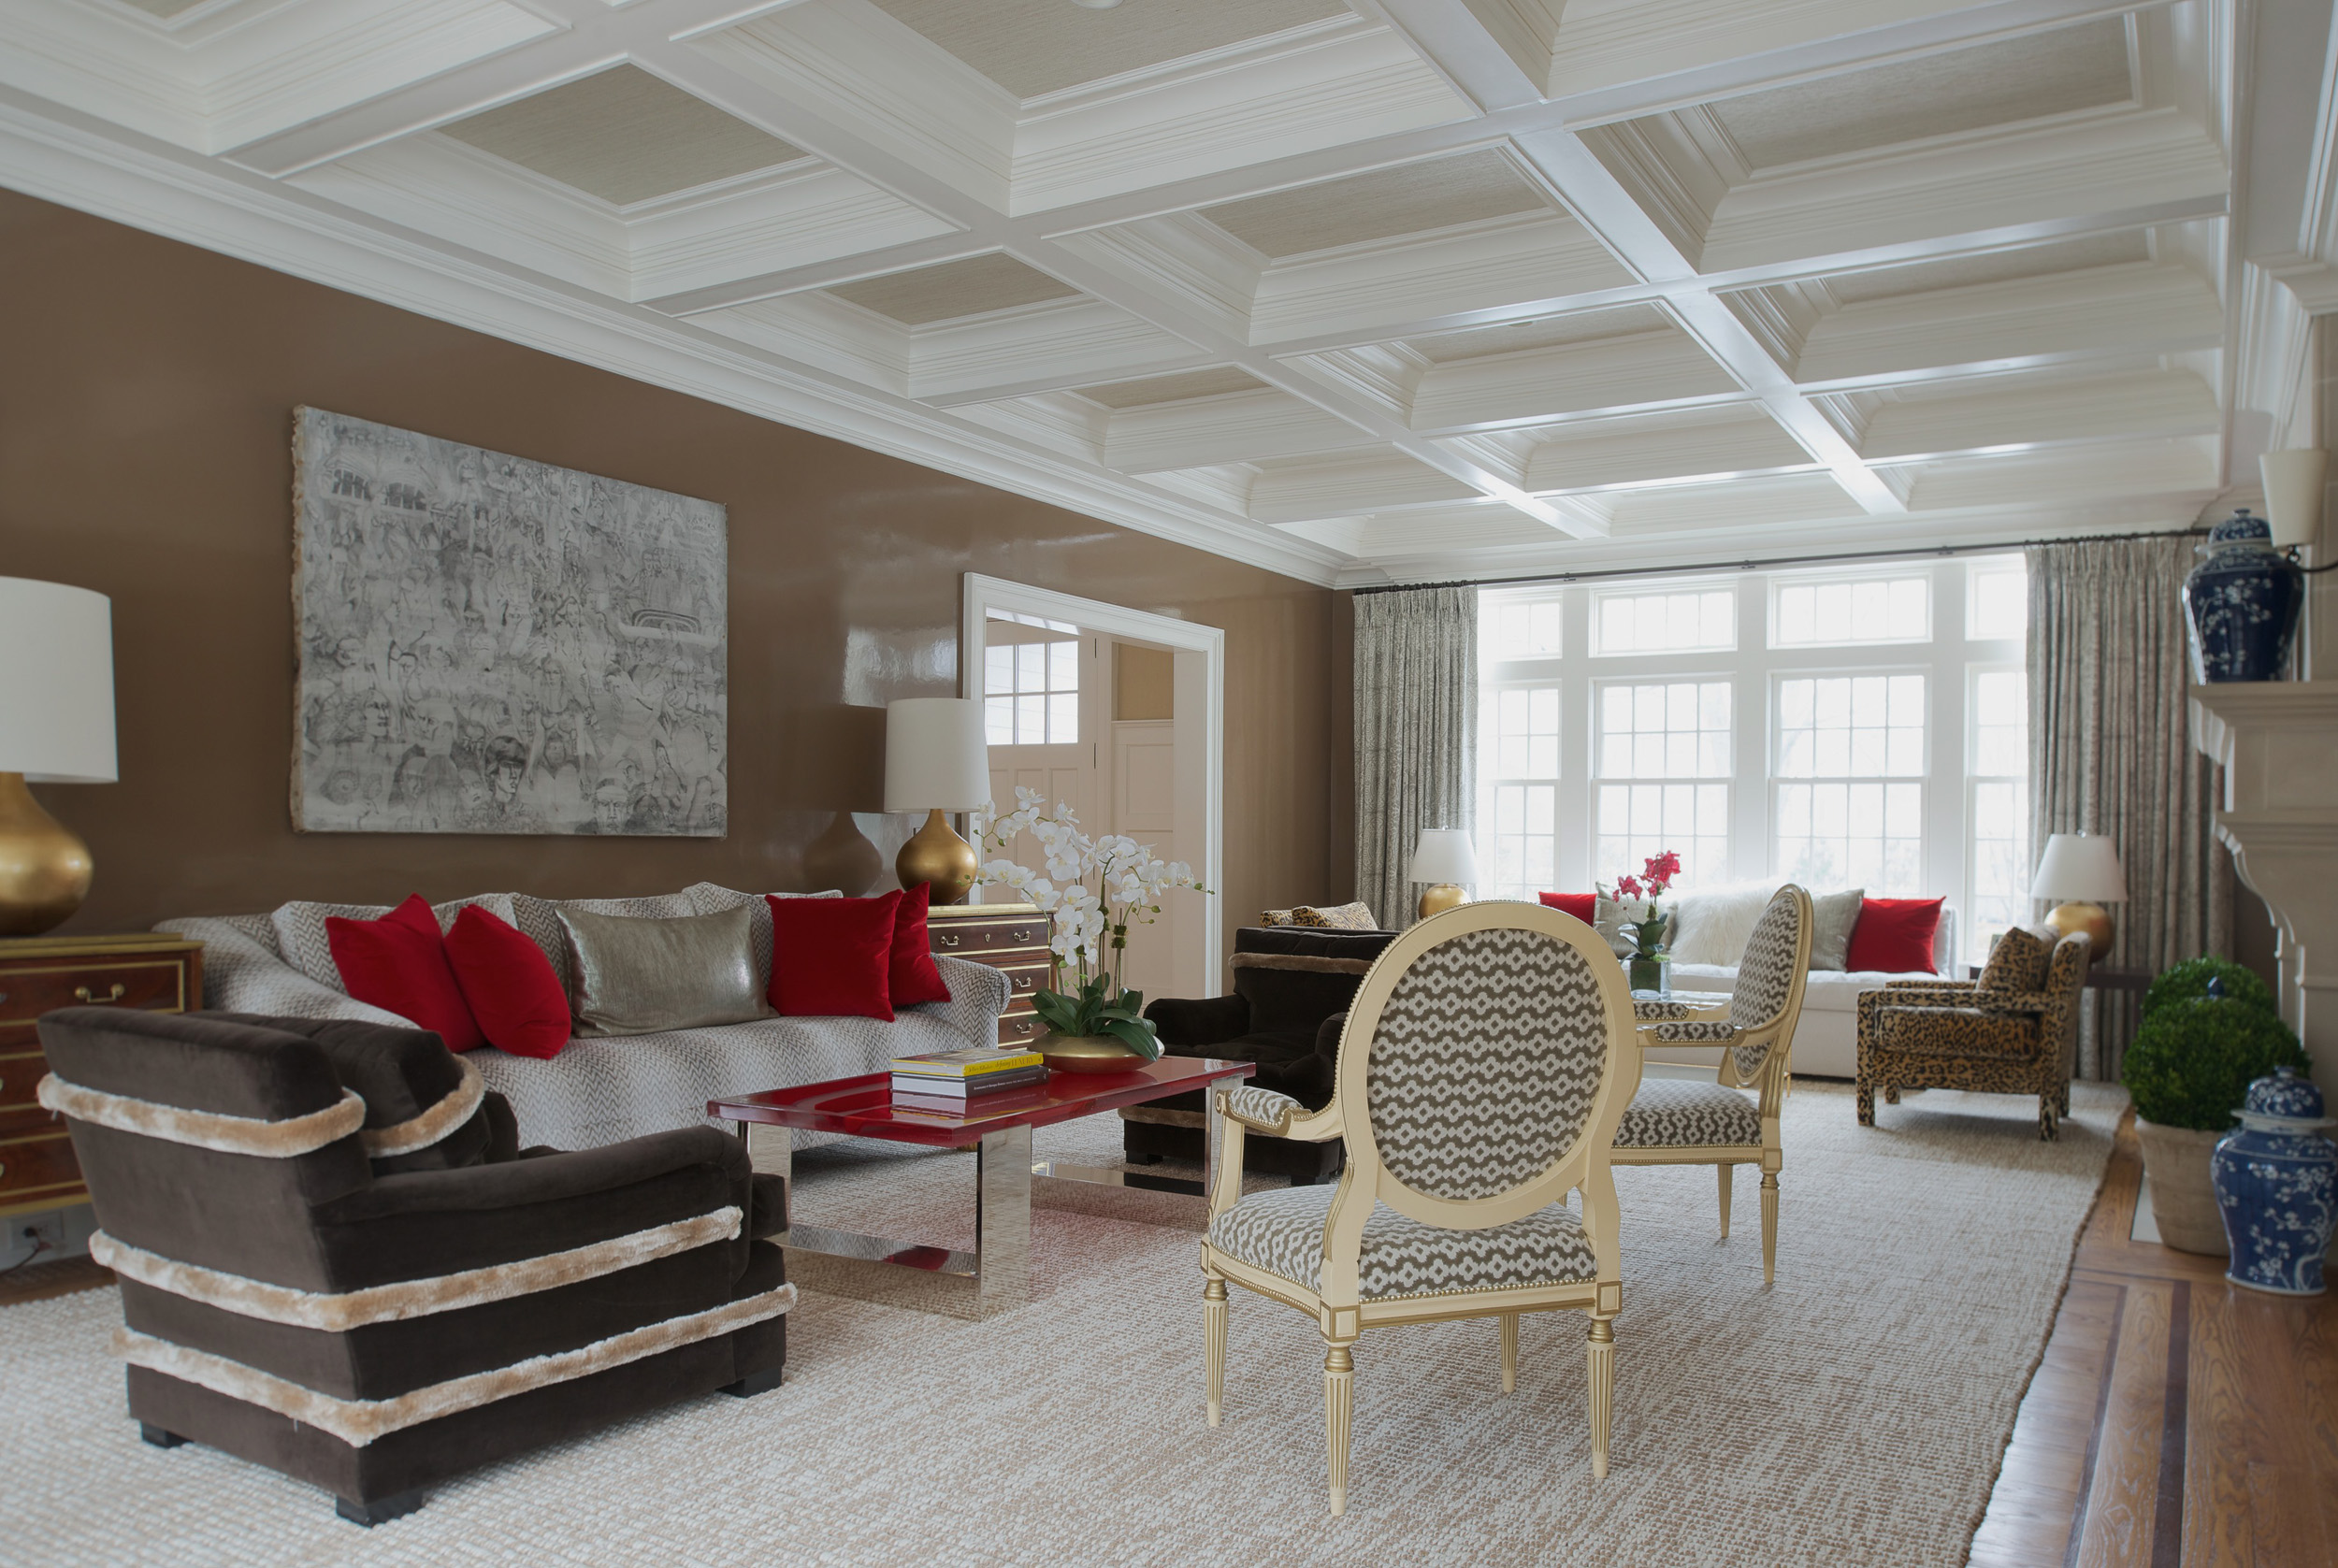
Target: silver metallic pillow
(643, 976)
(1832, 918)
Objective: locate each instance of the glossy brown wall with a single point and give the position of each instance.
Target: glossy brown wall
(145, 396)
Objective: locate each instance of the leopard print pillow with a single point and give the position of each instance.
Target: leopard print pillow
(1355, 916)
(2017, 963)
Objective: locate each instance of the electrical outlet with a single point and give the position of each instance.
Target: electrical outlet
(29, 1232)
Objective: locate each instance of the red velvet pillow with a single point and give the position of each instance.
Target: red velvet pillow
(398, 962)
(912, 977)
(508, 983)
(833, 957)
(1583, 906)
(1894, 936)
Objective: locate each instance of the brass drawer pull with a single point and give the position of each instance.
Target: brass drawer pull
(1021, 933)
(1022, 981)
(1024, 1025)
(949, 940)
(113, 993)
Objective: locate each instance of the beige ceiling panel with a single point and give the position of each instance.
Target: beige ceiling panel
(970, 286)
(1611, 373)
(1966, 414)
(1180, 388)
(1033, 47)
(1935, 95)
(1412, 198)
(1292, 490)
(623, 135)
(1601, 453)
(1547, 332)
(1991, 267)
(2179, 467)
(1733, 505)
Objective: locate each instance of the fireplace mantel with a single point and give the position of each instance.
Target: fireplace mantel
(2278, 741)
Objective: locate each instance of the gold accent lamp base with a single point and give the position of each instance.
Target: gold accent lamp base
(937, 855)
(45, 869)
(2093, 919)
(1441, 896)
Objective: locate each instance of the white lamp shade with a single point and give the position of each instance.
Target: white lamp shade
(1444, 855)
(2080, 868)
(937, 754)
(56, 683)
(2293, 494)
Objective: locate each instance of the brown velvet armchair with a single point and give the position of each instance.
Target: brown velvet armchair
(336, 1260)
(1951, 1034)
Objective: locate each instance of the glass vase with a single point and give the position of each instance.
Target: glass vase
(1650, 971)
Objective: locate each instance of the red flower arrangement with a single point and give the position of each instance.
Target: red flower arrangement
(1655, 876)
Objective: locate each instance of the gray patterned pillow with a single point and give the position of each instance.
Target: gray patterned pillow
(637, 975)
(300, 935)
(1832, 916)
(1609, 917)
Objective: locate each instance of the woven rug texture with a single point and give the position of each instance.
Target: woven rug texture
(1854, 1413)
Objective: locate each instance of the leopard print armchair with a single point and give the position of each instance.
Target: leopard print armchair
(1963, 1035)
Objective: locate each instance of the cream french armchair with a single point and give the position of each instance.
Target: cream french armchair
(1673, 1121)
(1486, 1060)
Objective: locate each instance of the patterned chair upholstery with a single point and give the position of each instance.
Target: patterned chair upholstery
(1674, 1122)
(1480, 1081)
(1965, 1035)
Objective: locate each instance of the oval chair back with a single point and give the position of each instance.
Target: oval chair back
(1485, 1062)
(1771, 973)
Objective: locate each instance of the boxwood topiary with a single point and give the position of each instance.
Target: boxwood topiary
(2188, 982)
(2193, 1060)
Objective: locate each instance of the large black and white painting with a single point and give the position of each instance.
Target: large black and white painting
(493, 645)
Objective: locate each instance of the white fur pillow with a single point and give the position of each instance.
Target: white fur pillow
(1712, 926)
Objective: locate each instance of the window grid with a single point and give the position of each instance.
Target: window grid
(1031, 693)
(1844, 612)
(1520, 722)
(1849, 784)
(1702, 621)
(1658, 744)
(1996, 600)
(1998, 807)
(1524, 628)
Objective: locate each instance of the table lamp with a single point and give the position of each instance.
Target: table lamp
(1445, 858)
(937, 759)
(56, 727)
(2082, 871)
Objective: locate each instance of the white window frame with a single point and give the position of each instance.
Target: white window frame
(1660, 589)
(1976, 933)
(1881, 573)
(1922, 778)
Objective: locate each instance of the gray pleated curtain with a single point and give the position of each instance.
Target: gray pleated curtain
(1416, 682)
(2110, 752)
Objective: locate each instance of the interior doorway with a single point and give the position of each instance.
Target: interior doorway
(1115, 712)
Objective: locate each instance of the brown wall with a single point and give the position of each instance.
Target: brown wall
(146, 398)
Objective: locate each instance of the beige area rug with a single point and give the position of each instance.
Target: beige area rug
(1854, 1414)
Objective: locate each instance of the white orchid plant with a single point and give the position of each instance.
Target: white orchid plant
(1092, 891)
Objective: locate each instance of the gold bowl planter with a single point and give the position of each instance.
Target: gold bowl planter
(1089, 1053)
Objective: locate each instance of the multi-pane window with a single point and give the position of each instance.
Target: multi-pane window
(1030, 682)
(1662, 752)
(1675, 623)
(1522, 629)
(1997, 599)
(1850, 782)
(1523, 722)
(1833, 612)
(1997, 857)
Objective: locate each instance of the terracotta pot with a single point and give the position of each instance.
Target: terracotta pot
(2183, 1194)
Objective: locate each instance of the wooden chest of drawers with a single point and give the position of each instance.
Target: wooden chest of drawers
(158, 972)
(1011, 938)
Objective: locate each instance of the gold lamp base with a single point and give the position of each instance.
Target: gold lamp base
(937, 855)
(2093, 919)
(45, 869)
(1441, 896)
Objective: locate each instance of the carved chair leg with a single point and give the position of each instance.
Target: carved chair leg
(1509, 1352)
(2046, 1129)
(1339, 1414)
(1214, 1346)
(1728, 1175)
(1770, 1227)
(1867, 1102)
(1601, 1348)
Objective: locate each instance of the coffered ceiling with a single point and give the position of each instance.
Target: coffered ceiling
(1388, 290)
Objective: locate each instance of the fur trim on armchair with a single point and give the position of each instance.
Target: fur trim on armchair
(1305, 962)
(359, 1422)
(340, 1310)
(419, 1132)
(216, 1131)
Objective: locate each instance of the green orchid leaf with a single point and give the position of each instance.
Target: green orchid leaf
(1139, 1039)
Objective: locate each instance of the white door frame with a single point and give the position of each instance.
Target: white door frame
(1202, 762)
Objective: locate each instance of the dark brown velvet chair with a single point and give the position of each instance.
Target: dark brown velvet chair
(1292, 987)
(336, 1260)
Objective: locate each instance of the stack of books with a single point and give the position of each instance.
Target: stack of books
(952, 1081)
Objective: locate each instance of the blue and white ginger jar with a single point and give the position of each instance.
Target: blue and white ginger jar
(2244, 598)
(2278, 1184)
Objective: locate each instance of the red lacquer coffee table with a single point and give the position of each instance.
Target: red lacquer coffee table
(996, 1276)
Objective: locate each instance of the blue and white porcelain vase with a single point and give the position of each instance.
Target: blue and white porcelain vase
(2244, 598)
(2277, 1185)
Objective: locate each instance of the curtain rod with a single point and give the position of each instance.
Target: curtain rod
(1913, 550)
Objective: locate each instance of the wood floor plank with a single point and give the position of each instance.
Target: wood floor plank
(2122, 1502)
(2219, 1515)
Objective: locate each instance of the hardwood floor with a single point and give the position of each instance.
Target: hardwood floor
(2176, 1421)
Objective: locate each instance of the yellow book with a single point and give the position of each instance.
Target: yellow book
(973, 1062)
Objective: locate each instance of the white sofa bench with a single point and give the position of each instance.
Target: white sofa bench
(606, 1089)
